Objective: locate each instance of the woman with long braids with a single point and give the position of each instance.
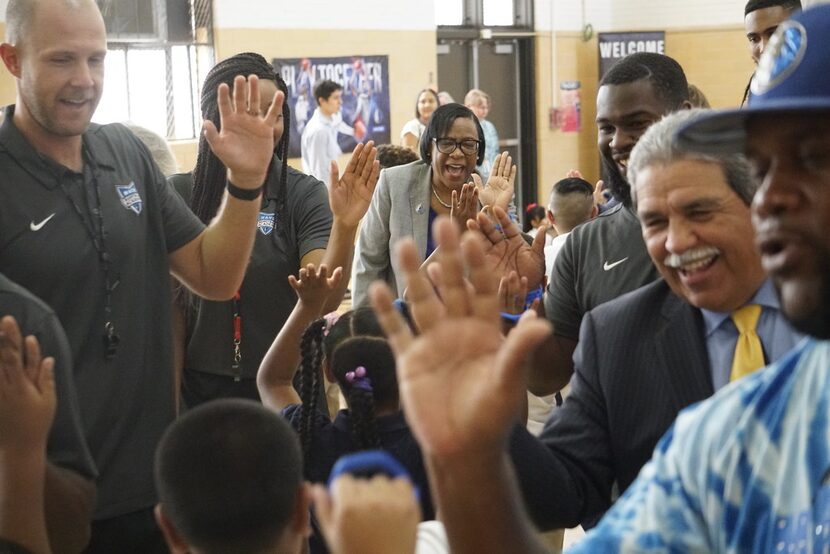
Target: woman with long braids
(299, 223)
(352, 351)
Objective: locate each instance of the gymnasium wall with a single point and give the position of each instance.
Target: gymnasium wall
(404, 30)
(705, 36)
(714, 59)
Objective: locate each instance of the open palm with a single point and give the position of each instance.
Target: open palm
(245, 143)
(506, 249)
(500, 185)
(351, 193)
(461, 383)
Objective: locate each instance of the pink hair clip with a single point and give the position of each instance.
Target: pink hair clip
(358, 379)
(330, 318)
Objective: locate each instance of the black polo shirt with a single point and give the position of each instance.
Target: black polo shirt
(66, 446)
(600, 260)
(266, 298)
(46, 245)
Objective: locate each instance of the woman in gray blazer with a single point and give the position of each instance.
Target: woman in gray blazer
(409, 197)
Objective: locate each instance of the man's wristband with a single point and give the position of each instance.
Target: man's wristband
(244, 194)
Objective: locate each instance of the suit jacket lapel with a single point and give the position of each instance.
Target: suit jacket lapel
(681, 351)
(419, 207)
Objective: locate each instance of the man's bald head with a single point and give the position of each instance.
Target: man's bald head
(21, 13)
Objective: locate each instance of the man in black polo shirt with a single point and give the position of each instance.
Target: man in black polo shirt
(606, 257)
(69, 487)
(88, 224)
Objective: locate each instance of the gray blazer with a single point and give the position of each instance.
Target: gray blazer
(400, 208)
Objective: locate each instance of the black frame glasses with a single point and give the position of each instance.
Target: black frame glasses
(448, 145)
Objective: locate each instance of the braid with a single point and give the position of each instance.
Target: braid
(311, 351)
(364, 424)
(210, 174)
(282, 153)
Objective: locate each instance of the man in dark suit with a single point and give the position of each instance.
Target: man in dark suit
(650, 353)
(745, 470)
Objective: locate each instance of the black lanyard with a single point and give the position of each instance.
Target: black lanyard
(96, 230)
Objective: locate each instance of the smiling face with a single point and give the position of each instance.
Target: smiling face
(426, 105)
(60, 70)
(451, 171)
(791, 213)
(699, 234)
(760, 26)
(624, 112)
(481, 108)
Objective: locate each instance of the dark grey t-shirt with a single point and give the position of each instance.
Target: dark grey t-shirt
(266, 298)
(46, 225)
(600, 260)
(66, 446)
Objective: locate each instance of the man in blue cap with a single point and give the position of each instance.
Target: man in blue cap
(746, 470)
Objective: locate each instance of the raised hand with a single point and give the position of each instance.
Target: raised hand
(461, 384)
(599, 196)
(351, 193)
(500, 185)
(314, 286)
(27, 391)
(245, 143)
(506, 249)
(368, 515)
(464, 204)
(599, 188)
(512, 293)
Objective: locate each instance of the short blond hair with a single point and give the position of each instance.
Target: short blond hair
(475, 96)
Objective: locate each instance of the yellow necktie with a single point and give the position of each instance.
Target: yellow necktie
(749, 354)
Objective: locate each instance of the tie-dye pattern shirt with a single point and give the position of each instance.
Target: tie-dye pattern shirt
(744, 471)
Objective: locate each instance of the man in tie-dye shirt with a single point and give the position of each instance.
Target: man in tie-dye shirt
(747, 470)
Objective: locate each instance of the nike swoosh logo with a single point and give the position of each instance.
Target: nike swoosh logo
(606, 266)
(38, 226)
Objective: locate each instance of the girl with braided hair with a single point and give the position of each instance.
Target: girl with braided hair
(352, 351)
(300, 222)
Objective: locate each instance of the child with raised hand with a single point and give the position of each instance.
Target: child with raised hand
(275, 376)
(351, 350)
(27, 408)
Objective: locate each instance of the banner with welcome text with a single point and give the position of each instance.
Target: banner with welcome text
(615, 46)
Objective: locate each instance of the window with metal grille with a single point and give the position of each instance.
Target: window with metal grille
(484, 13)
(159, 52)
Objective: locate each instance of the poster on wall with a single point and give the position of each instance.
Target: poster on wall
(570, 112)
(615, 46)
(365, 108)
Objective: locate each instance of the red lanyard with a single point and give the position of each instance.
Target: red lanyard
(237, 337)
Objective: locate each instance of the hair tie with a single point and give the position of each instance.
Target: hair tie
(330, 318)
(531, 206)
(358, 379)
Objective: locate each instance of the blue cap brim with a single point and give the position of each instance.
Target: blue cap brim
(724, 131)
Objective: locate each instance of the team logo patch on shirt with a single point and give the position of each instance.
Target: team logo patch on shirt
(130, 198)
(782, 56)
(265, 223)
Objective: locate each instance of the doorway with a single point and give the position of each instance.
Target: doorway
(503, 68)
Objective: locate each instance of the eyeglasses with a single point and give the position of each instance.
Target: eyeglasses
(448, 145)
